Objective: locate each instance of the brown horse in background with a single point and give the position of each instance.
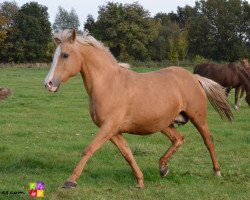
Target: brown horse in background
(227, 75)
(123, 101)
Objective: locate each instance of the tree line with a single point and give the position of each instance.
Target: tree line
(212, 29)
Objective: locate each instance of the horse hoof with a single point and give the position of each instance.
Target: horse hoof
(140, 186)
(236, 107)
(164, 171)
(69, 184)
(217, 174)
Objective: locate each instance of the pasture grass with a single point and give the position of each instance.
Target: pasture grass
(43, 134)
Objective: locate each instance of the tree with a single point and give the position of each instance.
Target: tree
(90, 23)
(8, 30)
(184, 15)
(245, 28)
(34, 33)
(127, 29)
(172, 42)
(219, 29)
(182, 44)
(66, 20)
(8, 12)
(158, 47)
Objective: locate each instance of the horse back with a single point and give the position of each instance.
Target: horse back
(226, 75)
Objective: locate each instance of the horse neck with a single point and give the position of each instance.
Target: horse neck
(98, 70)
(245, 64)
(244, 76)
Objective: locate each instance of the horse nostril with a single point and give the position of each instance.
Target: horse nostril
(50, 84)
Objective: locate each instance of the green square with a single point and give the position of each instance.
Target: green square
(32, 185)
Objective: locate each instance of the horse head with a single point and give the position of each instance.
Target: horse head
(245, 63)
(66, 61)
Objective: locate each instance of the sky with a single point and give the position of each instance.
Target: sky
(86, 7)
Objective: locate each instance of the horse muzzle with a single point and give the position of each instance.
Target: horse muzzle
(52, 85)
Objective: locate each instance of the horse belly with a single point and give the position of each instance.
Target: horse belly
(144, 128)
(151, 118)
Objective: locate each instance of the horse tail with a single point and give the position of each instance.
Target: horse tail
(195, 69)
(216, 96)
(124, 65)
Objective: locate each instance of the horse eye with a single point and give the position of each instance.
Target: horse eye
(65, 55)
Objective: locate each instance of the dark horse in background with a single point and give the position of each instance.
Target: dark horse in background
(230, 76)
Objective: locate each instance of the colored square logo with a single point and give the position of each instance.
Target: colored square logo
(40, 193)
(40, 185)
(33, 193)
(32, 185)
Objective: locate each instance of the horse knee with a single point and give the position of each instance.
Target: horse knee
(87, 152)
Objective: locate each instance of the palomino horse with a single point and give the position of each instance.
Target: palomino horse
(123, 101)
(226, 75)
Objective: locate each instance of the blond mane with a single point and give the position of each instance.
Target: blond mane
(85, 39)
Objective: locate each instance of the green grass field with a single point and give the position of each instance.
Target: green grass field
(43, 134)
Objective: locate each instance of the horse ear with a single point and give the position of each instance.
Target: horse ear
(56, 40)
(73, 36)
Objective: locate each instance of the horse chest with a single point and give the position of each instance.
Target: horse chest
(97, 113)
(93, 113)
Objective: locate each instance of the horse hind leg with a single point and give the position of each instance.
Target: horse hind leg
(236, 98)
(177, 140)
(202, 127)
(242, 91)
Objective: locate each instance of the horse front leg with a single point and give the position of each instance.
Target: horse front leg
(105, 133)
(121, 144)
(236, 98)
(228, 89)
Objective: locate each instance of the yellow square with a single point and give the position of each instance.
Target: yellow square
(40, 193)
